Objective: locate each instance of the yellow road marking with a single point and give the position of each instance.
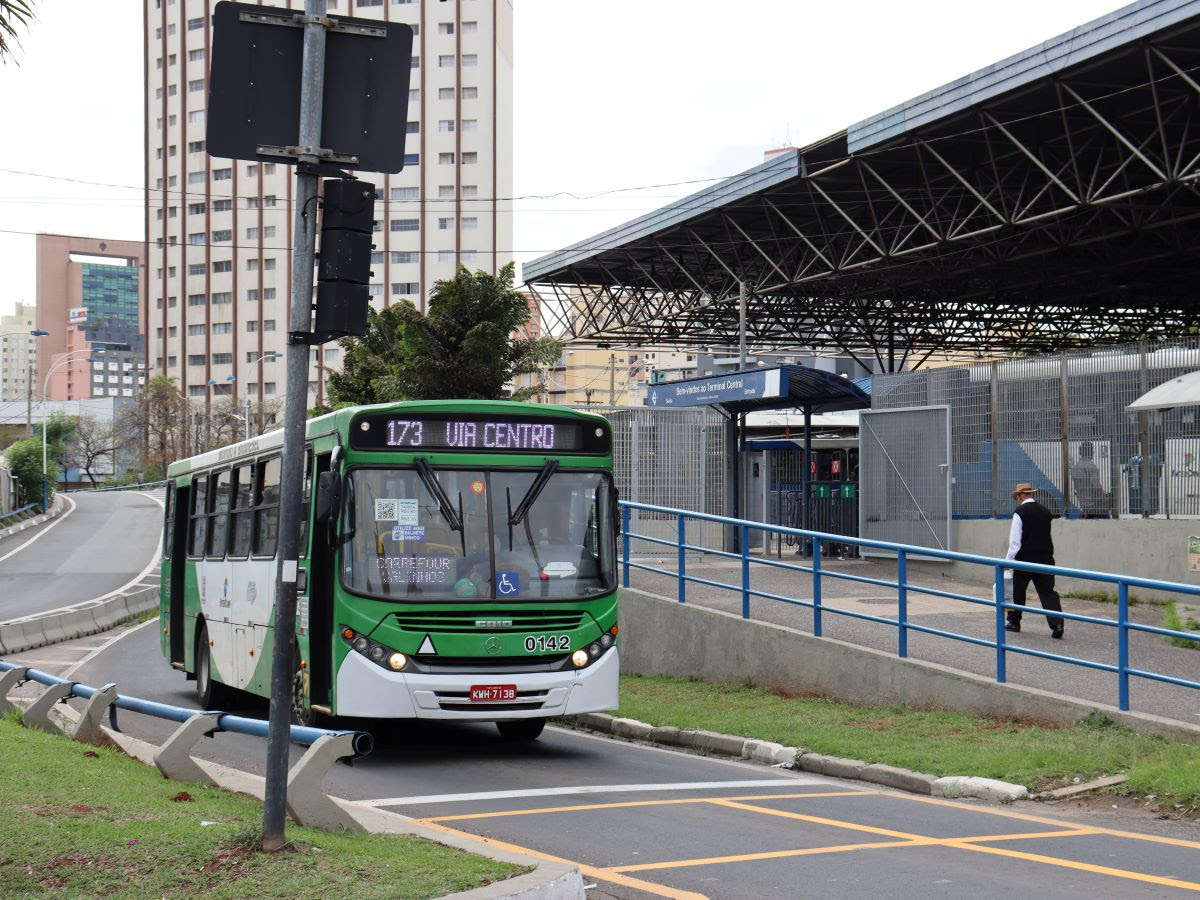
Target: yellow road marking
(1044, 820)
(586, 807)
(776, 854)
(1081, 866)
(612, 875)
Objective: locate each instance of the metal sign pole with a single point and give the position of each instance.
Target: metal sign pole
(296, 403)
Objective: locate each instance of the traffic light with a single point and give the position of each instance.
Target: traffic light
(344, 265)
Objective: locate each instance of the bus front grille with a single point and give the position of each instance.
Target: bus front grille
(501, 621)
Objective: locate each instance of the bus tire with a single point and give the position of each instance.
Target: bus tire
(520, 729)
(302, 712)
(211, 694)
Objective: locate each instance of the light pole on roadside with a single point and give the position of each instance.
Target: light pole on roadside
(212, 382)
(45, 419)
(37, 333)
(271, 355)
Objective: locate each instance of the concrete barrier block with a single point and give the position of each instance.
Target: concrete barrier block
(830, 765)
(664, 734)
(954, 786)
(306, 801)
(631, 728)
(762, 751)
(595, 721)
(174, 758)
(37, 715)
(727, 744)
(901, 779)
(89, 729)
(8, 682)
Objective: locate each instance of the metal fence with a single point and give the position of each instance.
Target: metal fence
(1041, 419)
(669, 457)
(906, 587)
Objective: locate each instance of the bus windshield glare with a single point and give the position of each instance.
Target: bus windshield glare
(403, 541)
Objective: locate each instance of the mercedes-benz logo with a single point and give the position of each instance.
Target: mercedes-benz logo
(492, 646)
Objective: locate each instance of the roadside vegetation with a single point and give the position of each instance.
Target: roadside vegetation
(83, 821)
(1176, 622)
(1166, 774)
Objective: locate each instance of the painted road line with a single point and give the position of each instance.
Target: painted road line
(591, 871)
(1079, 866)
(43, 532)
(593, 789)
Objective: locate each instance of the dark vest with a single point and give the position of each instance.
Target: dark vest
(1036, 545)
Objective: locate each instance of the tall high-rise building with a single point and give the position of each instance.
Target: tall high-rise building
(219, 231)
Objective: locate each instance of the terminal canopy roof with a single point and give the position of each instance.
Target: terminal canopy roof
(1050, 200)
(781, 387)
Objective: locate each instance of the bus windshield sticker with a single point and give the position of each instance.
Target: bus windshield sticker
(403, 512)
(416, 569)
(408, 532)
(477, 486)
(508, 584)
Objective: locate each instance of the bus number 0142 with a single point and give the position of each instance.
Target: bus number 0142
(548, 643)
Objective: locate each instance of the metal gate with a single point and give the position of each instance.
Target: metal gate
(904, 476)
(669, 457)
(830, 506)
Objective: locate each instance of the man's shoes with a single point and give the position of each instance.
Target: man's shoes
(1014, 626)
(1057, 633)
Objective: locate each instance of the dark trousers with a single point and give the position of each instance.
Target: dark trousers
(1045, 591)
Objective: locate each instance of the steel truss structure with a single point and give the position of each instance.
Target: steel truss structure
(1029, 208)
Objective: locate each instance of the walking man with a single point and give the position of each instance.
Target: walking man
(1029, 541)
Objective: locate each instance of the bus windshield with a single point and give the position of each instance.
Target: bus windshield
(492, 534)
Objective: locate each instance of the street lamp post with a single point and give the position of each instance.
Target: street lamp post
(45, 419)
(212, 382)
(37, 333)
(271, 355)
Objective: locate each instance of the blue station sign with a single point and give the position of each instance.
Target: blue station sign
(761, 384)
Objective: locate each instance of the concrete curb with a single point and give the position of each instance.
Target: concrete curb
(772, 754)
(56, 510)
(550, 879)
(92, 617)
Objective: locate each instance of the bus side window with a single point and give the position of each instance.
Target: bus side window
(266, 512)
(218, 526)
(199, 519)
(243, 512)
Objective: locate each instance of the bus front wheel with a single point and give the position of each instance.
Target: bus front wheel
(520, 729)
(212, 694)
(302, 711)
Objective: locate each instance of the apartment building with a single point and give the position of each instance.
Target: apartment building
(219, 231)
(18, 354)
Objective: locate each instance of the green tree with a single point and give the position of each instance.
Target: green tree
(466, 346)
(24, 458)
(13, 14)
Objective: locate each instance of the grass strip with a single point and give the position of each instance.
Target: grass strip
(1040, 756)
(83, 821)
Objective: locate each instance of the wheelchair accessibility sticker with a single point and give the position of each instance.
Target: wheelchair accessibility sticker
(508, 584)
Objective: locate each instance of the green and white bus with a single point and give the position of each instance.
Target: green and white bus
(458, 561)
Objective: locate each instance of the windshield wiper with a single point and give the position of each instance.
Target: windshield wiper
(517, 516)
(452, 516)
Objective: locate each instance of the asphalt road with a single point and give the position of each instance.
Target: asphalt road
(644, 821)
(100, 544)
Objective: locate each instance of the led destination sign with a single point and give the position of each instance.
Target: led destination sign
(478, 433)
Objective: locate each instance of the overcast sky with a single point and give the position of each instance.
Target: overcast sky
(621, 106)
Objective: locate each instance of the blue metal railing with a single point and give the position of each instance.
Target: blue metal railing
(16, 512)
(299, 734)
(904, 587)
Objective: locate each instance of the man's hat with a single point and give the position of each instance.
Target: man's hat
(1023, 488)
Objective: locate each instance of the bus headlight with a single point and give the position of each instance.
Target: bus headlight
(579, 658)
(378, 653)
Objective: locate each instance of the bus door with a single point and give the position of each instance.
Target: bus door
(320, 598)
(178, 504)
